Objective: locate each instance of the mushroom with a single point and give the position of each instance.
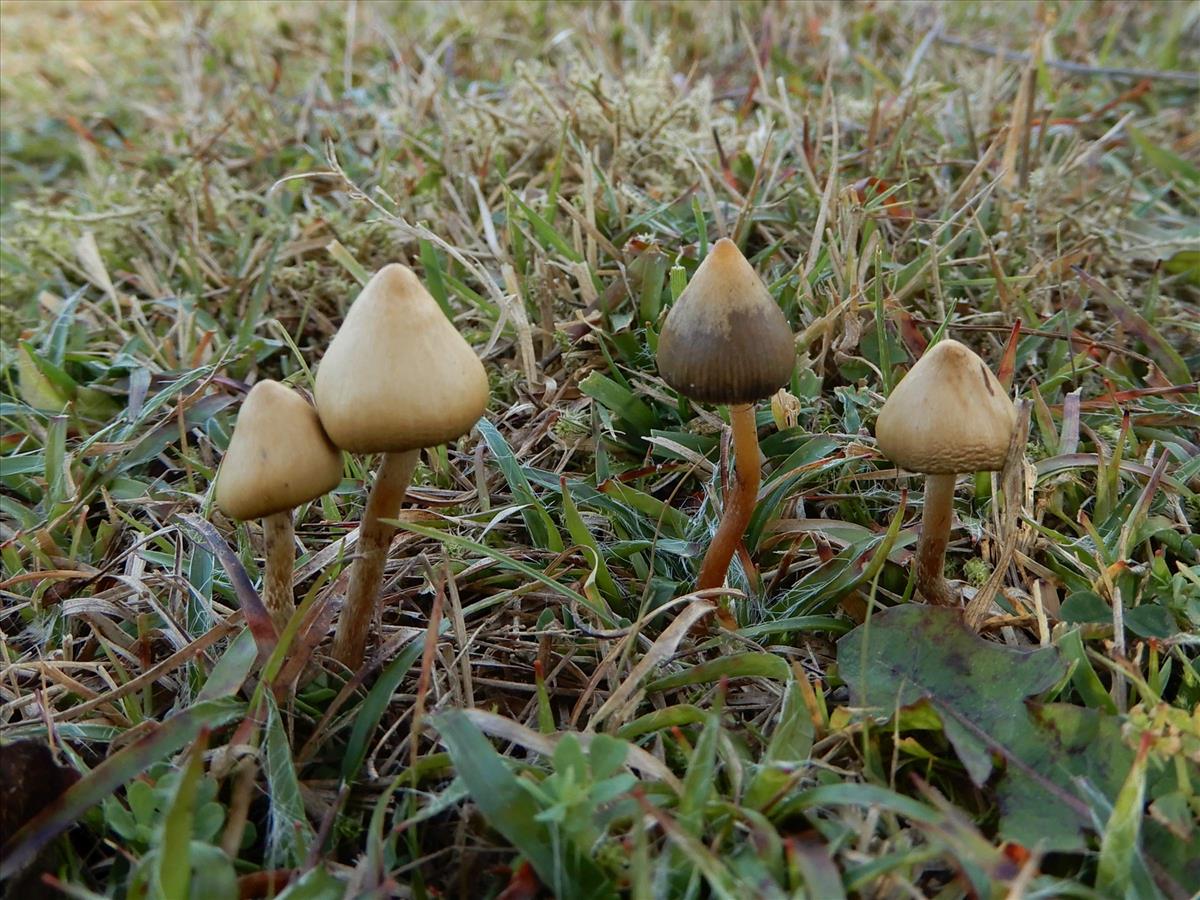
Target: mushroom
(278, 458)
(726, 341)
(948, 415)
(397, 377)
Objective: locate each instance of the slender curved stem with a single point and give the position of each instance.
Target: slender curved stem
(935, 535)
(739, 504)
(374, 538)
(280, 539)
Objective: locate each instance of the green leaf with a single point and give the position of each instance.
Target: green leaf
(537, 519)
(511, 810)
(1055, 755)
(374, 706)
(619, 400)
(1084, 607)
(120, 768)
(864, 795)
(1163, 159)
(739, 665)
(507, 562)
(174, 865)
(917, 652)
(698, 782)
(583, 537)
(290, 835)
(546, 233)
(1083, 676)
(1064, 748)
(315, 884)
(791, 743)
(1151, 621)
(1119, 844)
(230, 672)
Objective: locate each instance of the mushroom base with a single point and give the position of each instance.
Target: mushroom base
(374, 539)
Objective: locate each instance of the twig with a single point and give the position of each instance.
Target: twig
(1189, 78)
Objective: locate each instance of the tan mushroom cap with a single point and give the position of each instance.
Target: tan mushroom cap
(279, 456)
(726, 340)
(949, 414)
(398, 376)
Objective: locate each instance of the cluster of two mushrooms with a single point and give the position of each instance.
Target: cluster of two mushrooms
(726, 341)
(397, 377)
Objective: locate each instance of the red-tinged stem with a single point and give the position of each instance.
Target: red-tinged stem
(739, 504)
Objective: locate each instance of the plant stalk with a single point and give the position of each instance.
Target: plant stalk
(935, 535)
(374, 538)
(280, 539)
(739, 504)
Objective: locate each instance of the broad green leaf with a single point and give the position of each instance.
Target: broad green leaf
(916, 652)
(1054, 755)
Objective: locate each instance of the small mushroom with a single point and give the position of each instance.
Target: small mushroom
(948, 415)
(726, 341)
(278, 458)
(397, 377)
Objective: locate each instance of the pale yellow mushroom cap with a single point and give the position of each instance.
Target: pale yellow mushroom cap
(278, 457)
(398, 376)
(949, 414)
(726, 340)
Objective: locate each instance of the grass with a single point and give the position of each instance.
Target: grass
(190, 198)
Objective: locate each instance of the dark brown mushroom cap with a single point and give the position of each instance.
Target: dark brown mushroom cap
(949, 414)
(278, 457)
(726, 340)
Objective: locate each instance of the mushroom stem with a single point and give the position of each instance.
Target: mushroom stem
(739, 504)
(935, 535)
(374, 538)
(280, 538)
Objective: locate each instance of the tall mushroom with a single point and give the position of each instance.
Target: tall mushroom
(397, 377)
(278, 458)
(948, 415)
(726, 341)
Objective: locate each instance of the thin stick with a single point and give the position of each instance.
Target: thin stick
(739, 505)
(1078, 68)
(374, 538)
(935, 535)
(278, 595)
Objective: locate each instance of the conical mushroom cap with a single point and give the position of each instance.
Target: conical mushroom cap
(398, 376)
(726, 340)
(949, 414)
(279, 456)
